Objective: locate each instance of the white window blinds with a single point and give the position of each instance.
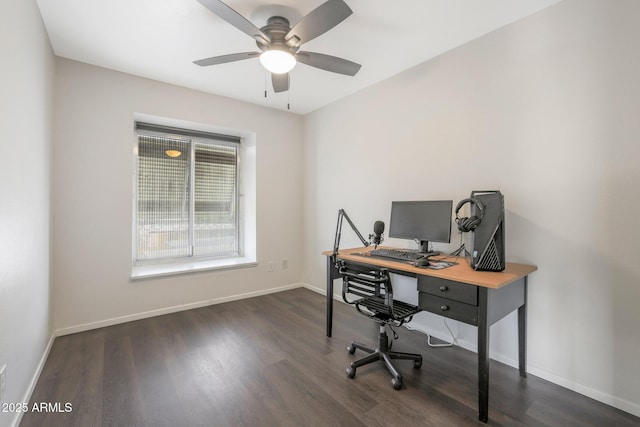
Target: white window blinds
(187, 194)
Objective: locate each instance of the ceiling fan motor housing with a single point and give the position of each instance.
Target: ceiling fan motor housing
(276, 29)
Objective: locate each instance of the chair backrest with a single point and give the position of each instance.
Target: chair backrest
(371, 287)
(374, 293)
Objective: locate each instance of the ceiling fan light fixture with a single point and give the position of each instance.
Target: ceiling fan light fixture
(277, 61)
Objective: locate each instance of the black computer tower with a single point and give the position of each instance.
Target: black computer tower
(487, 240)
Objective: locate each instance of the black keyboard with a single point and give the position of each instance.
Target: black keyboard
(397, 254)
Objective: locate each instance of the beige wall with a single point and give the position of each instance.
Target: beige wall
(92, 167)
(546, 110)
(26, 82)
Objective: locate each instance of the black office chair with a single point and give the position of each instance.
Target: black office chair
(374, 299)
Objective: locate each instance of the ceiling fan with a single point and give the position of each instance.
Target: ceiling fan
(280, 44)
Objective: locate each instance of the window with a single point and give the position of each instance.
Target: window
(187, 196)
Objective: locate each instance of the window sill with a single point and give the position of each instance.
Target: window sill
(155, 270)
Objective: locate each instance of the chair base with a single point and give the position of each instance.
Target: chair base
(383, 354)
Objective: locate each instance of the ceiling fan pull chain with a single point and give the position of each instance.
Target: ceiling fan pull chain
(265, 85)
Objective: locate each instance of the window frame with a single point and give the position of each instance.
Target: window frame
(191, 262)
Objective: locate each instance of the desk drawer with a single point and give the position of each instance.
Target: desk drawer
(448, 308)
(449, 289)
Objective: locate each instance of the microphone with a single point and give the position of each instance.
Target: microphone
(378, 229)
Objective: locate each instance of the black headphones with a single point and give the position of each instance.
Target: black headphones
(469, 224)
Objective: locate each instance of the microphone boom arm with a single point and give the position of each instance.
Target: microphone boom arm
(336, 243)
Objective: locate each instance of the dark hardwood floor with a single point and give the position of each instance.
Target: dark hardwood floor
(266, 361)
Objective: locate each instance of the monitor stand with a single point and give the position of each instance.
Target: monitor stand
(424, 249)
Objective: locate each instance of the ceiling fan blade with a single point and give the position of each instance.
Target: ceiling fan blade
(235, 19)
(280, 82)
(223, 59)
(328, 63)
(319, 21)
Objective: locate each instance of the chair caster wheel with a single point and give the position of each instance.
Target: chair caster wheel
(397, 384)
(351, 373)
(417, 364)
(351, 349)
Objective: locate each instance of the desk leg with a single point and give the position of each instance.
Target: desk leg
(522, 334)
(330, 277)
(483, 355)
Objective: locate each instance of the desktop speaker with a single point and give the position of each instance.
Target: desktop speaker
(487, 238)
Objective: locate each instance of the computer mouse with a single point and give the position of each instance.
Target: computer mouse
(422, 262)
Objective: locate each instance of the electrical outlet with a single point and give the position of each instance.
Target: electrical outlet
(270, 266)
(285, 263)
(3, 381)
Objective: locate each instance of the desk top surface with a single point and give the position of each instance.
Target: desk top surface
(462, 272)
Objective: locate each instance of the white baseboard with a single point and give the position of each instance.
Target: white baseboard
(321, 291)
(623, 405)
(168, 310)
(616, 402)
(34, 380)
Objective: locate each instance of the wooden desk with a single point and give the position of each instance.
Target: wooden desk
(458, 292)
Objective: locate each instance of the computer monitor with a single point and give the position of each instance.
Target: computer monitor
(424, 221)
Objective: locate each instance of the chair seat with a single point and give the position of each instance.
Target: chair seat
(377, 305)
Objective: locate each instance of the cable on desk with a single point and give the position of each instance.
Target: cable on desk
(453, 256)
(448, 258)
(461, 249)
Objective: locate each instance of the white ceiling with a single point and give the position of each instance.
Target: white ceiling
(159, 39)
